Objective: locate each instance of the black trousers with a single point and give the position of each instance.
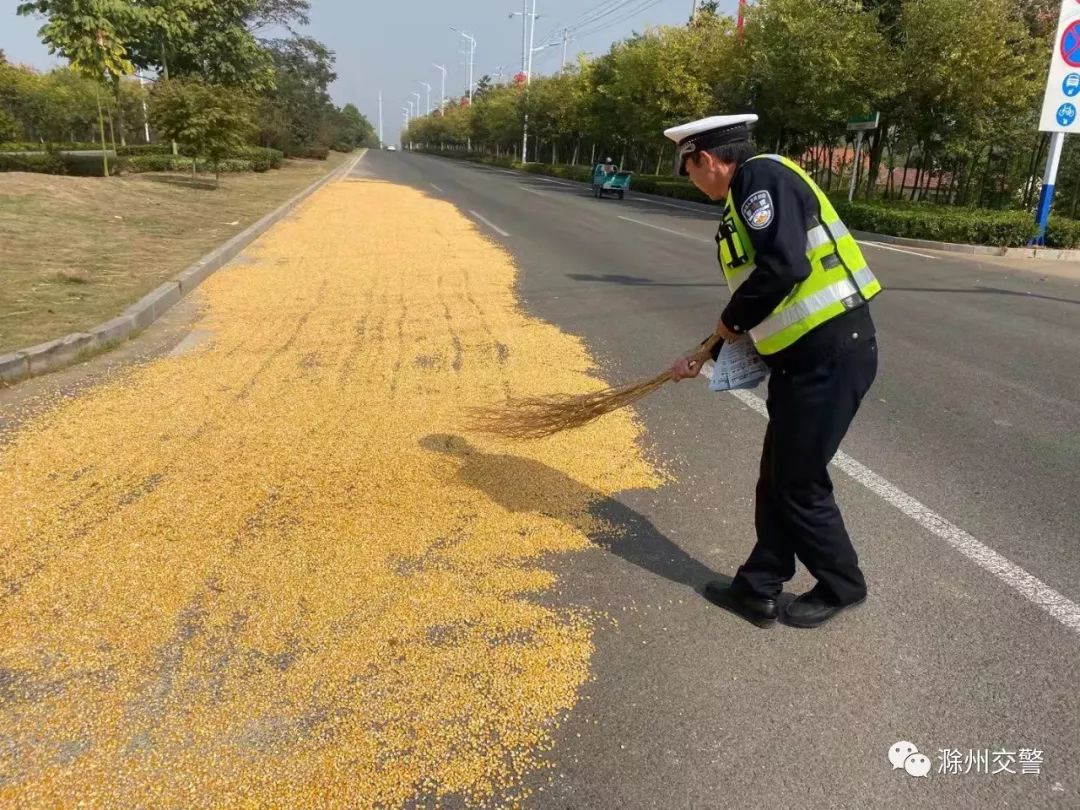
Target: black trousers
(795, 513)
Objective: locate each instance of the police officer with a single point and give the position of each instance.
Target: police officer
(800, 288)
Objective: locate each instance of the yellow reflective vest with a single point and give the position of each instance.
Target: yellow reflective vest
(839, 278)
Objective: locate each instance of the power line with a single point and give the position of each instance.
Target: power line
(643, 6)
(590, 15)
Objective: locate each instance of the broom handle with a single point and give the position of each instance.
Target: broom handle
(705, 352)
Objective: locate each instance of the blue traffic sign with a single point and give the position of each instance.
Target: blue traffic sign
(1066, 114)
(1071, 85)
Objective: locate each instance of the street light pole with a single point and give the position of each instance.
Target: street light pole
(472, 55)
(442, 92)
(145, 120)
(417, 104)
(428, 88)
(527, 52)
(380, 120)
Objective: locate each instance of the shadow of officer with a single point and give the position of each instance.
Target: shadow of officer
(525, 485)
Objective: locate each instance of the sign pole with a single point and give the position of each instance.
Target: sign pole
(1046, 198)
(855, 166)
(1059, 113)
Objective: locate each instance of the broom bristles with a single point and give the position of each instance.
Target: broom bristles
(537, 417)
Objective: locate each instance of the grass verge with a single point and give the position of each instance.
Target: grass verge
(79, 250)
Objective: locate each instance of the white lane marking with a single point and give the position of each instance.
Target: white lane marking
(898, 250)
(636, 198)
(1034, 590)
(666, 230)
(489, 223)
(556, 182)
(436, 188)
(533, 191)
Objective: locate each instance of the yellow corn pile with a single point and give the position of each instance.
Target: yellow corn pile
(274, 570)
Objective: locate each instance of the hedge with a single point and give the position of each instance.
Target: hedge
(61, 163)
(311, 152)
(35, 146)
(261, 157)
(180, 163)
(48, 163)
(132, 150)
(972, 226)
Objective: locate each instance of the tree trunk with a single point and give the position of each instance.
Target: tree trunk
(101, 129)
(918, 177)
(828, 186)
(577, 149)
(890, 163)
(112, 133)
(120, 114)
(165, 73)
(659, 159)
(1075, 198)
(876, 148)
(1029, 181)
(592, 161)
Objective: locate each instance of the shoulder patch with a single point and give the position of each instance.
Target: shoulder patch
(758, 211)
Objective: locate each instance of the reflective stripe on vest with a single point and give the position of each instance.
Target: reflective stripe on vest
(839, 278)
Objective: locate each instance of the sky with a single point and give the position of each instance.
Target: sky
(390, 45)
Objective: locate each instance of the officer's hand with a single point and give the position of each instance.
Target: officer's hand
(685, 368)
(725, 333)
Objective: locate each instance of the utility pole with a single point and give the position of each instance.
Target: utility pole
(693, 10)
(380, 120)
(442, 91)
(565, 39)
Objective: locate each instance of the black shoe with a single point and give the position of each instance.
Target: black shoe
(755, 610)
(810, 610)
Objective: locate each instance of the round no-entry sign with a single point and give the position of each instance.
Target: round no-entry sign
(1070, 44)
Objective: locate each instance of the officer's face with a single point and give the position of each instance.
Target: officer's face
(711, 176)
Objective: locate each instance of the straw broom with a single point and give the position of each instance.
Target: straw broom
(537, 417)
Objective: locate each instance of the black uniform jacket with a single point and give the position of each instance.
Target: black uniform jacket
(778, 206)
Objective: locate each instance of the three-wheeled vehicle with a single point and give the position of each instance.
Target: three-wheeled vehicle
(616, 182)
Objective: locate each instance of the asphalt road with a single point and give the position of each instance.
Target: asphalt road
(963, 505)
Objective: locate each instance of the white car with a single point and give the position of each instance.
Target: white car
(391, 148)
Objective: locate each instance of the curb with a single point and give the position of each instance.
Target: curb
(1047, 254)
(55, 354)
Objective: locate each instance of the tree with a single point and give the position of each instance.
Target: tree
(214, 41)
(349, 129)
(210, 119)
(809, 66)
(298, 108)
(91, 35)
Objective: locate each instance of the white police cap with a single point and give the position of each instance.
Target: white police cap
(706, 133)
